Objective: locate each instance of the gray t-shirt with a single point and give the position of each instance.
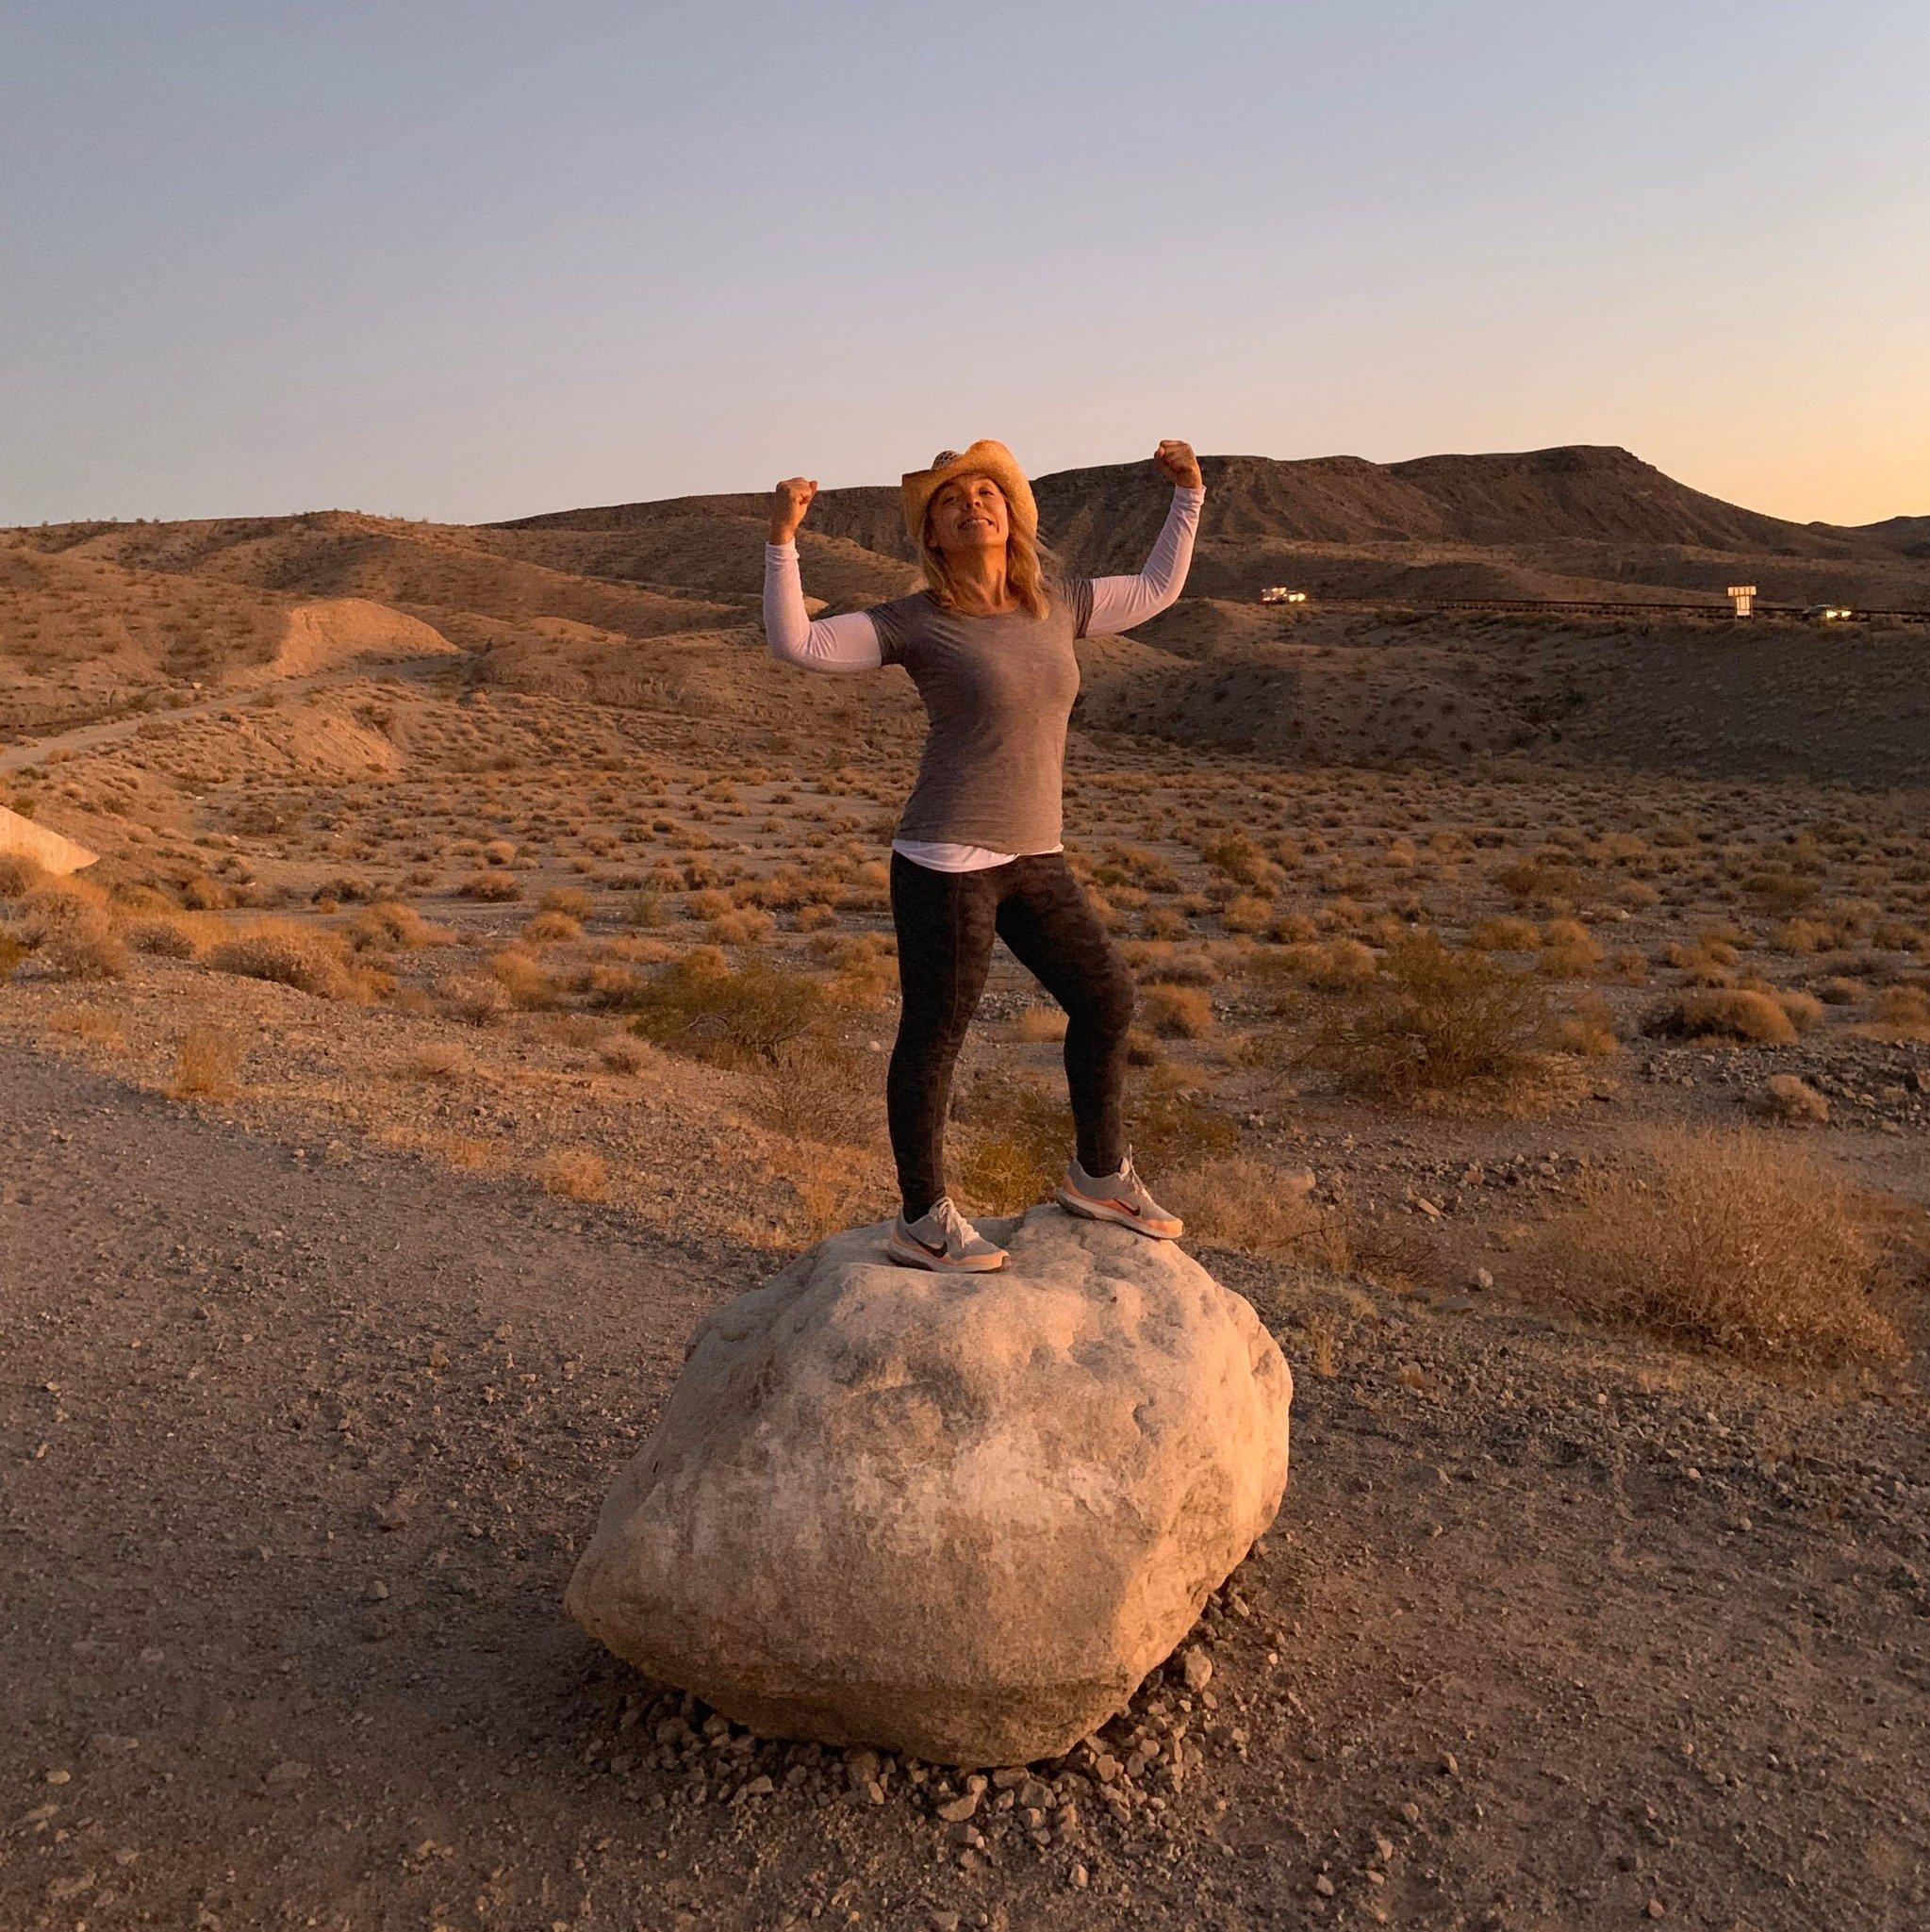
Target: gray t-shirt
(998, 693)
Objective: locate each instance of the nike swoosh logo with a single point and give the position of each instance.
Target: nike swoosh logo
(1126, 1205)
(925, 1245)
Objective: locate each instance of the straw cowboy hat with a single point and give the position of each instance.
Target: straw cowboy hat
(984, 458)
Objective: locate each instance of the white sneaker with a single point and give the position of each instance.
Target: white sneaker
(1120, 1197)
(944, 1241)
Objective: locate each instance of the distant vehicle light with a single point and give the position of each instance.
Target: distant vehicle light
(1279, 593)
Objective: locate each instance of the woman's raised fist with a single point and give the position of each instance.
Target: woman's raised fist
(788, 503)
(1179, 464)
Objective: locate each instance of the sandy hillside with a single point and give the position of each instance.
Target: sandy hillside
(487, 968)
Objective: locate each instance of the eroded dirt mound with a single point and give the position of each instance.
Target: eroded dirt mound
(339, 631)
(46, 848)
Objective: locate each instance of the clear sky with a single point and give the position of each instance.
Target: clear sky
(470, 260)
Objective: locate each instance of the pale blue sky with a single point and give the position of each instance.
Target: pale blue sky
(475, 260)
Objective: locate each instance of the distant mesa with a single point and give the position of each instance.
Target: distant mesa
(1576, 490)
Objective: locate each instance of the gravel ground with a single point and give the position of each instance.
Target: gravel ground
(300, 1439)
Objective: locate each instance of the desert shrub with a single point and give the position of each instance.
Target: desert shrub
(207, 1061)
(744, 927)
(1238, 858)
(201, 894)
(1432, 1021)
(522, 976)
(1734, 1014)
(1585, 1030)
(66, 925)
(1538, 881)
(1248, 912)
(1569, 951)
(1333, 966)
(1238, 1201)
(12, 952)
(437, 1060)
(1188, 966)
(571, 901)
(19, 875)
(1505, 933)
(576, 1174)
(1018, 1134)
(1724, 1240)
(490, 888)
(88, 949)
(1182, 1013)
(1804, 1009)
(1039, 1023)
(164, 938)
(1779, 891)
(812, 1090)
(704, 1006)
(91, 1023)
(388, 926)
(624, 1053)
(1905, 1010)
(1785, 1097)
(547, 929)
(287, 954)
(1802, 935)
(475, 998)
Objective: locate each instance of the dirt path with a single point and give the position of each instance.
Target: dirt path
(297, 1445)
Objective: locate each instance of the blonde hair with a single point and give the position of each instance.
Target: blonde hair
(1030, 569)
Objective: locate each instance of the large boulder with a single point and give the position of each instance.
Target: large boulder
(961, 1516)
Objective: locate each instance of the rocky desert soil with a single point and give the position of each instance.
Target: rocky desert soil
(487, 970)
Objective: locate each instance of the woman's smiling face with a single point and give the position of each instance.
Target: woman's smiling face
(969, 514)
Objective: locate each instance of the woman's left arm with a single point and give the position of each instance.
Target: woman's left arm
(1120, 603)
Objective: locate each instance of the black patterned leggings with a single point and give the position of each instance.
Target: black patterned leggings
(945, 922)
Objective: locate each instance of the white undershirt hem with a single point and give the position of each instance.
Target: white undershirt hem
(945, 855)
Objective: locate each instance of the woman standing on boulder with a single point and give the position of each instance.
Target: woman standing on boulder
(988, 642)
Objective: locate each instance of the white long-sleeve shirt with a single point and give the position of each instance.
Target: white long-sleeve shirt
(849, 642)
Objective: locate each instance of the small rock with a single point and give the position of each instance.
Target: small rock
(1324, 1886)
(1197, 1668)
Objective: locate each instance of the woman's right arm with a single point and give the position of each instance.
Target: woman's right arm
(848, 642)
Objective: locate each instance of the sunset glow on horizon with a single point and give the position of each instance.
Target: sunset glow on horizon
(480, 262)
